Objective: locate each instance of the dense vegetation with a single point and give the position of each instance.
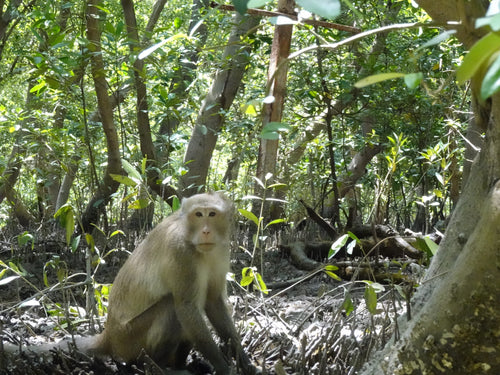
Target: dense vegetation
(112, 112)
(51, 129)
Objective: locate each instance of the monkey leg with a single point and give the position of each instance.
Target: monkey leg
(156, 330)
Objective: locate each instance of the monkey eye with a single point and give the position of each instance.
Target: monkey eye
(198, 214)
(212, 213)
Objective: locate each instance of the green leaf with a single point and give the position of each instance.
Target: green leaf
(271, 129)
(477, 56)
(241, 6)
(249, 215)
(277, 186)
(176, 203)
(125, 180)
(438, 39)
(177, 22)
(337, 245)
(331, 267)
(491, 21)
(249, 109)
(272, 136)
(354, 237)
(70, 226)
(39, 87)
(376, 78)
(118, 231)
(276, 126)
(257, 3)
(324, 8)
(9, 279)
(131, 171)
(25, 238)
(139, 204)
(333, 275)
(329, 271)
(19, 270)
(262, 285)
(433, 247)
(277, 221)
(347, 305)
(426, 245)
(491, 81)
(90, 241)
(246, 276)
(144, 164)
(412, 80)
(371, 299)
(66, 217)
(75, 242)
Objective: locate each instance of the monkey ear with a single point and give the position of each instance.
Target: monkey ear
(228, 203)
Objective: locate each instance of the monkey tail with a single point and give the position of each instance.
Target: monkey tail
(90, 345)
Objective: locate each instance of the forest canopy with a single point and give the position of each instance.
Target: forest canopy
(357, 139)
(392, 152)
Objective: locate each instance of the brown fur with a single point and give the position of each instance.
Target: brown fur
(174, 277)
(161, 295)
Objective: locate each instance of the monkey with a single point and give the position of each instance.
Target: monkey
(173, 279)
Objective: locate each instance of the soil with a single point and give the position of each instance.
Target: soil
(310, 323)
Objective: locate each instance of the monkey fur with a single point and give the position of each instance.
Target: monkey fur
(172, 280)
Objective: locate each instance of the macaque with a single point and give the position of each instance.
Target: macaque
(175, 277)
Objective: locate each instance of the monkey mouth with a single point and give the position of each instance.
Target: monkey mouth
(206, 245)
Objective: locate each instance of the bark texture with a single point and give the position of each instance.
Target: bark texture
(220, 97)
(456, 328)
(108, 186)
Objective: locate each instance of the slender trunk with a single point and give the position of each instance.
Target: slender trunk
(273, 112)
(180, 84)
(220, 97)
(108, 185)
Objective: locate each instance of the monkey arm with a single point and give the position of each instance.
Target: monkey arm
(221, 320)
(195, 328)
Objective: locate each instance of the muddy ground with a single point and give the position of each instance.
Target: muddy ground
(304, 325)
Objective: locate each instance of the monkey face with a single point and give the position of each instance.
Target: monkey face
(208, 220)
(203, 227)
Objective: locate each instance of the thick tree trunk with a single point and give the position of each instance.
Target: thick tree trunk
(456, 326)
(456, 329)
(219, 99)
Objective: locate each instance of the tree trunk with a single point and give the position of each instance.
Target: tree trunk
(143, 123)
(456, 326)
(277, 78)
(108, 186)
(180, 84)
(219, 99)
(456, 329)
